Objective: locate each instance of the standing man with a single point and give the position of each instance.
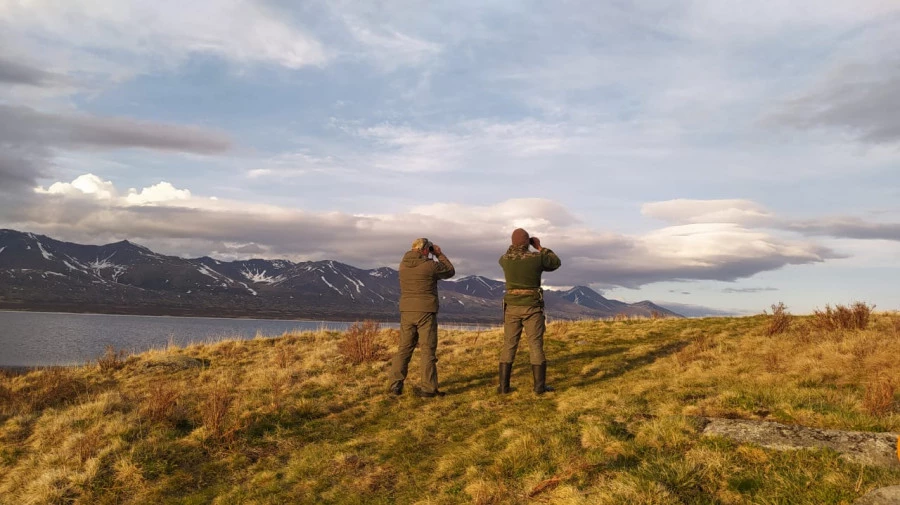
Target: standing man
(418, 314)
(523, 306)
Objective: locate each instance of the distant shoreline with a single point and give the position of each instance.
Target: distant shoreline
(337, 317)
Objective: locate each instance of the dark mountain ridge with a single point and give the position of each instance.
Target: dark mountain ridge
(41, 273)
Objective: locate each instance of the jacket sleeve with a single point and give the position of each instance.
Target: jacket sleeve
(549, 260)
(443, 269)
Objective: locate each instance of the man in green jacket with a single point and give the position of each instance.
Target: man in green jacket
(523, 306)
(418, 314)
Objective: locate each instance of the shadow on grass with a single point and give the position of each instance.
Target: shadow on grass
(558, 368)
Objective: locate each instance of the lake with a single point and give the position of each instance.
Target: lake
(50, 338)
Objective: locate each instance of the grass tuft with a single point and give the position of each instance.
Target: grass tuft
(878, 399)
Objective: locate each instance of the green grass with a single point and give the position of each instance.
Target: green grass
(288, 420)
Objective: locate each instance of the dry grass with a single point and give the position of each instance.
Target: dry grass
(293, 420)
(216, 411)
(879, 396)
(160, 404)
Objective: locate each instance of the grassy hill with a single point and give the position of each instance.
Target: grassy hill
(292, 420)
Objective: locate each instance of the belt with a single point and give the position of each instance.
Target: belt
(529, 291)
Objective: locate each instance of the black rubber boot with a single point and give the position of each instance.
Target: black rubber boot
(505, 373)
(539, 372)
(397, 388)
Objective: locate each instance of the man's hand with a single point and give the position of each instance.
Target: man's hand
(437, 249)
(536, 242)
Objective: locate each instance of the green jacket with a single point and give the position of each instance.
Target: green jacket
(522, 269)
(418, 281)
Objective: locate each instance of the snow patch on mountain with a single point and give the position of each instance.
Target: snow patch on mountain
(256, 276)
(98, 265)
(216, 276)
(252, 292)
(355, 283)
(331, 285)
(44, 253)
(2, 248)
(73, 267)
(381, 272)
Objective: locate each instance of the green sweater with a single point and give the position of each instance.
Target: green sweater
(522, 269)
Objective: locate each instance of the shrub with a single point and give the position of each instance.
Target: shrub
(842, 317)
(359, 344)
(779, 321)
(111, 360)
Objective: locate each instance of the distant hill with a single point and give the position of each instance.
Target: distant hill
(40, 273)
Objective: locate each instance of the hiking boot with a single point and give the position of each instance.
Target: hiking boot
(505, 373)
(397, 388)
(539, 372)
(429, 394)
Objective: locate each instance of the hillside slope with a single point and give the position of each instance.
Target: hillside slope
(290, 420)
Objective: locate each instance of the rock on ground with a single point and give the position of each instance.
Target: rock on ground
(884, 496)
(877, 449)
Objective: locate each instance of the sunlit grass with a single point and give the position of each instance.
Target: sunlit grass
(290, 420)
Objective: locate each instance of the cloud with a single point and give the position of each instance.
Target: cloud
(165, 31)
(389, 47)
(684, 211)
(847, 227)
(748, 290)
(176, 221)
(93, 187)
(464, 145)
(30, 139)
(13, 72)
(24, 126)
(859, 98)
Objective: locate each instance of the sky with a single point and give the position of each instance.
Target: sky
(720, 153)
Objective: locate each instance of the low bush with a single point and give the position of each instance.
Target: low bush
(779, 321)
(360, 344)
(111, 360)
(841, 317)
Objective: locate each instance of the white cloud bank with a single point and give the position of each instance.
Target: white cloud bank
(173, 220)
(89, 185)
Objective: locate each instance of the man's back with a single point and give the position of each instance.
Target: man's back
(418, 281)
(522, 269)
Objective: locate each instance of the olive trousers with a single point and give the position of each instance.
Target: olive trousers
(529, 318)
(416, 327)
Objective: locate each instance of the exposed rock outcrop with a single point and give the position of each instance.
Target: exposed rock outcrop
(877, 449)
(884, 496)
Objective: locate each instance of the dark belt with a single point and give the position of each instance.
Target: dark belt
(529, 291)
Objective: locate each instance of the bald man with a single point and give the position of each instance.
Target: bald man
(523, 306)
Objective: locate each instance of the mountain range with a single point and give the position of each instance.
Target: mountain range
(40, 273)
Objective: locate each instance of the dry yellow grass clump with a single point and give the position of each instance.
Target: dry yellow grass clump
(306, 418)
